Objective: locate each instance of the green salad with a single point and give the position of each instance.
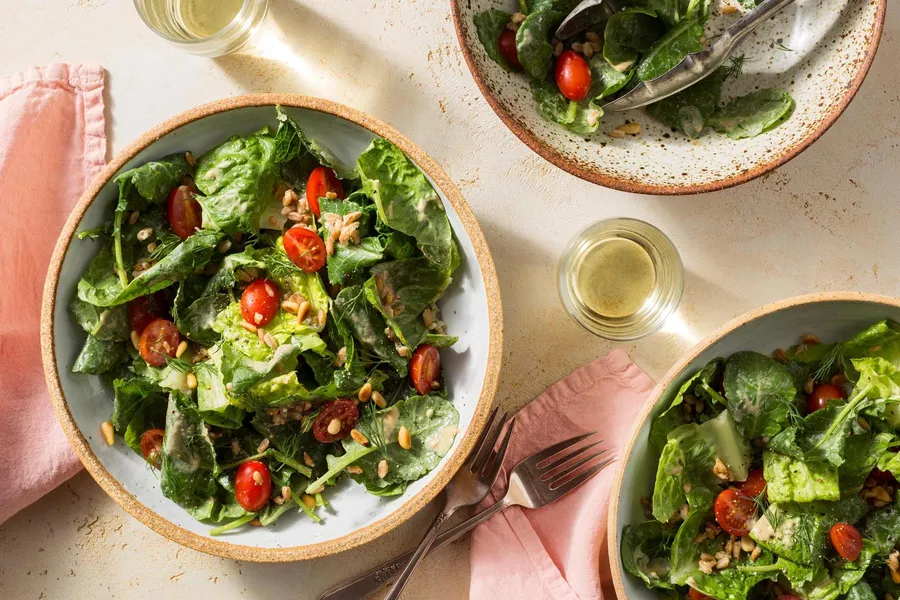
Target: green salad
(266, 318)
(569, 81)
(777, 477)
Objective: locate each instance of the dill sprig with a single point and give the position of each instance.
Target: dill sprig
(779, 44)
(829, 364)
(165, 245)
(280, 266)
(306, 421)
(735, 66)
(374, 429)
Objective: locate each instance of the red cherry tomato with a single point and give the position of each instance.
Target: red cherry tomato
(259, 302)
(347, 414)
(252, 485)
(847, 540)
(305, 248)
(573, 76)
(821, 394)
(321, 181)
(159, 340)
(788, 597)
(734, 511)
(697, 595)
(882, 476)
(507, 44)
(425, 369)
(151, 446)
(146, 309)
(185, 214)
(754, 485)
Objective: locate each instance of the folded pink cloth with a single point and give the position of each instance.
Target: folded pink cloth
(52, 142)
(559, 552)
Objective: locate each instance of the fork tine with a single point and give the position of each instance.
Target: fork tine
(557, 448)
(476, 448)
(570, 484)
(560, 462)
(572, 468)
(495, 460)
(487, 445)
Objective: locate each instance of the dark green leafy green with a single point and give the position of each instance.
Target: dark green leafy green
(188, 457)
(632, 28)
(753, 114)
(760, 393)
(553, 106)
(107, 324)
(699, 386)
(688, 111)
(670, 49)
(490, 24)
(350, 261)
(606, 80)
(862, 452)
(99, 356)
(367, 326)
(533, 43)
(645, 553)
(883, 529)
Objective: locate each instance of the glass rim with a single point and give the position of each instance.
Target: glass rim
(223, 33)
(656, 317)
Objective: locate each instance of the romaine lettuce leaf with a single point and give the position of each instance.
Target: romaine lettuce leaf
(213, 400)
(793, 480)
(793, 532)
(237, 179)
(701, 386)
(760, 392)
(407, 202)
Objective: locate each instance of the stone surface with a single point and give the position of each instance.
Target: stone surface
(826, 221)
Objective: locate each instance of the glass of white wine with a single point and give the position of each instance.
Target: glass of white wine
(204, 27)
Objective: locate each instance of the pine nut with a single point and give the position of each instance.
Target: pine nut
(144, 233)
(151, 247)
(429, 413)
(576, 47)
(191, 381)
(133, 217)
(255, 523)
(780, 355)
(181, 348)
(747, 544)
(290, 306)
(518, 17)
(382, 469)
(257, 318)
(189, 157)
(318, 490)
(378, 399)
(307, 459)
(303, 311)
(136, 340)
(308, 501)
(334, 426)
(224, 246)
(286, 492)
(354, 470)
(593, 38)
(263, 446)
(270, 340)
(249, 326)
(365, 392)
(809, 386)
(257, 478)
(810, 339)
(358, 437)
(404, 438)
(106, 429)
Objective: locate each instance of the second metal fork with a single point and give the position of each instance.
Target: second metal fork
(536, 481)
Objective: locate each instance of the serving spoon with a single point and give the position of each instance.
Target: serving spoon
(693, 68)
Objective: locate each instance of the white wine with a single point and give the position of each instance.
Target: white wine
(204, 18)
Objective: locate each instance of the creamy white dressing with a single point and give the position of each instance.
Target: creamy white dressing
(176, 380)
(441, 440)
(214, 173)
(762, 531)
(177, 430)
(420, 209)
(389, 421)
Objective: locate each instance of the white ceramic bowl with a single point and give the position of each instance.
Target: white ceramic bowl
(831, 316)
(832, 44)
(471, 309)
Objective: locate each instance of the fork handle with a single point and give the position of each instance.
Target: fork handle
(750, 22)
(372, 580)
(419, 554)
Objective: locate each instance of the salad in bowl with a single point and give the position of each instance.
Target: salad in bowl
(267, 320)
(777, 476)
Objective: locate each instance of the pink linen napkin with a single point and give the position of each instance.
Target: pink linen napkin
(559, 552)
(52, 142)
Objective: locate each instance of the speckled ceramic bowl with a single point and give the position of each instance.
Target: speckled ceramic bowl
(818, 50)
(831, 316)
(470, 308)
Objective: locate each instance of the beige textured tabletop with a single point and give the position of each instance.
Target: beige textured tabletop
(829, 220)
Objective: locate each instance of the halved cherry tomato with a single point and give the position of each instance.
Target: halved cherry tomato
(847, 540)
(321, 181)
(698, 595)
(346, 413)
(151, 446)
(734, 511)
(146, 309)
(425, 369)
(185, 214)
(252, 485)
(821, 394)
(159, 340)
(754, 485)
(882, 476)
(507, 44)
(305, 248)
(573, 76)
(259, 302)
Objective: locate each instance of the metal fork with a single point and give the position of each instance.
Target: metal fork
(536, 481)
(469, 486)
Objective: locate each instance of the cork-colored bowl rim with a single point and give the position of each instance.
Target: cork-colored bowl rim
(549, 153)
(612, 529)
(217, 546)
